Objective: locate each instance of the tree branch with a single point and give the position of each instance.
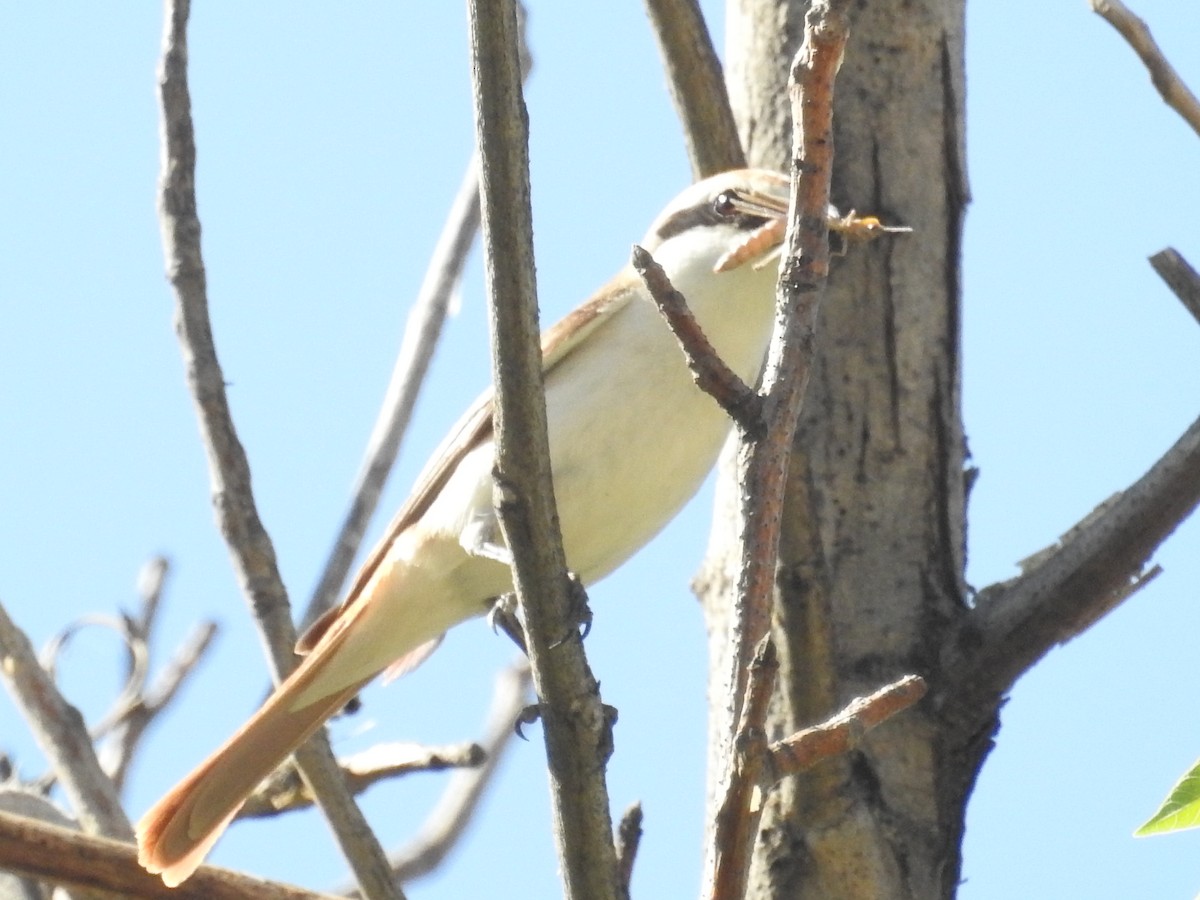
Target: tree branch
(802, 285)
(697, 86)
(61, 733)
(61, 856)
(421, 334)
(448, 820)
(122, 727)
(844, 731)
(229, 471)
(736, 825)
(1063, 591)
(1181, 278)
(284, 791)
(1166, 80)
(763, 462)
(575, 725)
(712, 375)
(129, 727)
(629, 838)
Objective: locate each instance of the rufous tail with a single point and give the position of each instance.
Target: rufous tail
(176, 834)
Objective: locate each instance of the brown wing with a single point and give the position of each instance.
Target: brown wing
(473, 429)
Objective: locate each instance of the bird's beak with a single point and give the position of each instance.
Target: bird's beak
(761, 245)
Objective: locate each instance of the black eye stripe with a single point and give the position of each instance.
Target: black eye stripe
(713, 211)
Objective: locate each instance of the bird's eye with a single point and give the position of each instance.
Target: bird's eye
(725, 204)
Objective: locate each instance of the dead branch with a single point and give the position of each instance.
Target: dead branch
(576, 727)
(763, 462)
(69, 858)
(284, 791)
(1093, 568)
(448, 820)
(844, 731)
(1166, 80)
(61, 733)
(697, 86)
(229, 470)
(1181, 278)
(741, 807)
(629, 837)
(712, 375)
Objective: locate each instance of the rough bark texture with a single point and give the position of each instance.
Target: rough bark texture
(871, 573)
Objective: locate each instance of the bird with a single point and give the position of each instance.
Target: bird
(631, 440)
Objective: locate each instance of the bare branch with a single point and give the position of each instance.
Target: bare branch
(137, 662)
(150, 582)
(763, 462)
(711, 373)
(1181, 278)
(284, 791)
(1062, 592)
(229, 471)
(61, 856)
(739, 814)
(576, 727)
(448, 820)
(843, 732)
(61, 733)
(421, 335)
(629, 837)
(697, 86)
(802, 285)
(129, 728)
(1166, 80)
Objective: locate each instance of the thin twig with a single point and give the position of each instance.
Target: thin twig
(802, 286)
(40, 850)
(738, 816)
(629, 838)
(137, 662)
(576, 727)
(448, 820)
(151, 580)
(1166, 80)
(763, 461)
(697, 86)
(134, 708)
(128, 730)
(61, 733)
(712, 375)
(284, 791)
(1181, 278)
(421, 335)
(229, 471)
(844, 731)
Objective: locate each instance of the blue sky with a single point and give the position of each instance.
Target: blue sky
(331, 141)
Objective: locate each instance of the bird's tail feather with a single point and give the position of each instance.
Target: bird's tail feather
(176, 834)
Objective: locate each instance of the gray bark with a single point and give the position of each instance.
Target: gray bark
(870, 581)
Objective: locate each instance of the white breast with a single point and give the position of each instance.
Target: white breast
(631, 436)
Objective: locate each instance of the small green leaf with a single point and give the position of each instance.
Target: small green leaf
(1180, 810)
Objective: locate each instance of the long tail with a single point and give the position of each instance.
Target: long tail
(396, 617)
(176, 834)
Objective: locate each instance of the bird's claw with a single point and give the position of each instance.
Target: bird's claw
(527, 716)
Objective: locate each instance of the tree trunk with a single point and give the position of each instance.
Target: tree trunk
(870, 580)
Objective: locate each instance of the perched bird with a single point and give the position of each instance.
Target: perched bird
(631, 440)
